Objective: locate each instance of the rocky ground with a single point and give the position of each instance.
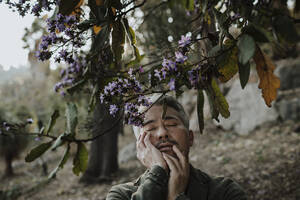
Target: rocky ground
(266, 163)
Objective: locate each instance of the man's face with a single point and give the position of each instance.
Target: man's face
(168, 131)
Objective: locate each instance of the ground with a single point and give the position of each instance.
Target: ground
(266, 163)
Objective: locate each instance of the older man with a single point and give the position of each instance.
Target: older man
(163, 147)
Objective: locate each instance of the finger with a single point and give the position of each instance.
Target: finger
(171, 163)
(181, 157)
(147, 141)
(141, 140)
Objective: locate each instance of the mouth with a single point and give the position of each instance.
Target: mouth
(165, 147)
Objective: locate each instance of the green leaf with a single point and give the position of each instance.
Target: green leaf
(66, 7)
(71, 116)
(259, 34)
(118, 40)
(61, 163)
(52, 121)
(190, 5)
(81, 159)
(285, 29)
(37, 151)
(219, 100)
(228, 62)
(214, 51)
(58, 142)
(244, 72)
(200, 106)
(101, 39)
(246, 46)
(213, 110)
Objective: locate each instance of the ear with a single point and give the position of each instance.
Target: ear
(191, 138)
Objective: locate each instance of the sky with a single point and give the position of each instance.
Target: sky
(12, 29)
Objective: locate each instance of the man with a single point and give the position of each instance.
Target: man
(163, 147)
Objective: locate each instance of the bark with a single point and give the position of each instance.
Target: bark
(103, 157)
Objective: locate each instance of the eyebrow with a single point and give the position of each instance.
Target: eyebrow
(166, 118)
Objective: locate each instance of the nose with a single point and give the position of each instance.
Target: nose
(162, 133)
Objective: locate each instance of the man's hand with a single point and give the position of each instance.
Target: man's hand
(179, 173)
(148, 154)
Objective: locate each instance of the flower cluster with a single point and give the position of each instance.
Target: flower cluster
(169, 69)
(70, 75)
(36, 7)
(61, 24)
(115, 93)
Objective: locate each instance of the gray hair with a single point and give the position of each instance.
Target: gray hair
(171, 102)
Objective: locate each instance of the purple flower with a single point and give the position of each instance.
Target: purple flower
(171, 84)
(157, 74)
(62, 93)
(113, 109)
(60, 27)
(101, 98)
(37, 139)
(184, 41)
(29, 121)
(169, 64)
(7, 128)
(141, 69)
(180, 58)
(130, 71)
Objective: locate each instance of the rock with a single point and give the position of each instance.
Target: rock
(288, 104)
(247, 109)
(289, 108)
(289, 72)
(127, 153)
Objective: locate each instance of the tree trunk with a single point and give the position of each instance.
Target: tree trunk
(103, 157)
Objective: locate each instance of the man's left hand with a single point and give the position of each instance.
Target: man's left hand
(179, 173)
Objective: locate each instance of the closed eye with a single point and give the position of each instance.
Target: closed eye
(151, 129)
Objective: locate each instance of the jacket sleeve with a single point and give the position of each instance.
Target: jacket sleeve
(153, 187)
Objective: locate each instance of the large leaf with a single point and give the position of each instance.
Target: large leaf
(101, 39)
(61, 163)
(52, 122)
(246, 46)
(66, 7)
(228, 62)
(37, 151)
(213, 109)
(200, 106)
(118, 40)
(244, 72)
(219, 100)
(259, 34)
(132, 38)
(81, 159)
(269, 83)
(285, 29)
(71, 117)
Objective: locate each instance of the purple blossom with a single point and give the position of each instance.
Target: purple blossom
(157, 74)
(37, 139)
(171, 84)
(101, 98)
(113, 109)
(141, 69)
(7, 128)
(169, 64)
(180, 58)
(130, 72)
(185, 40)
(62, 93)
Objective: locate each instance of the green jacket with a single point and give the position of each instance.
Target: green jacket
(153, 185)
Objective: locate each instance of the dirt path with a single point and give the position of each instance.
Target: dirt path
(266, 163)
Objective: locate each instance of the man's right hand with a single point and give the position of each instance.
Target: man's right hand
(148, 154)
